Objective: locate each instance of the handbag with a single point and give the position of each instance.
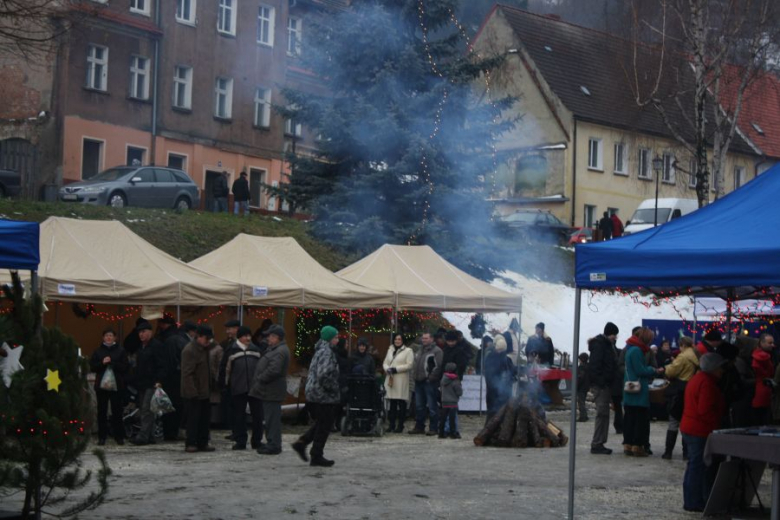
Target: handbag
(632, 387)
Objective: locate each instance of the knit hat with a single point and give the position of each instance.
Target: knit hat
(451, 335)
(363, 341)
(189, 326)
(450, 367)
(243, 331)
(170, 320)
(144, 325)
(540, 325)
(711, 361)
(328, 333)
(610, 329)
(499, 344)
(205, 330)
(713, 335)
(232, 323)
(276, 330)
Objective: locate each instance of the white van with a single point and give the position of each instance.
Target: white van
(668, 209)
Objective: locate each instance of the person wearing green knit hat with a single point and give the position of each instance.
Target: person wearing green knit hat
(323, 397)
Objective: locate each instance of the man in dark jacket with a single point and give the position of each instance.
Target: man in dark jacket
(427, 372)
(174, 345)
(236, 373)
(602, 367)
(540, 346)
(270, 386)
(241, 195)
(323, 395)
(456, 351)
(605, 226)
(109, 355)
(149, 374)
(220, 192)
(196, 388)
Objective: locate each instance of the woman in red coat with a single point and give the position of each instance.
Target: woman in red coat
(704, 407)
(764, 369)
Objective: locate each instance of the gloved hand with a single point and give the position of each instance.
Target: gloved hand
(770, 383)
(393, 370)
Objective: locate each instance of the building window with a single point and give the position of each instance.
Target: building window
(644, 168)
(668, 172)
(139, 77)
(140, 6)
(621, 161)
(223, 98)
(692, 173)
(185, 11)
(262, 107)
(265, 25)
(612, 211)
(294, 35)
(135, 156)
(292, 129)
(176, 161)
(182, 87)
(97, 67)
(595, 160)
(91, 158)
(739, 177)
(590, 216)
(226, 17)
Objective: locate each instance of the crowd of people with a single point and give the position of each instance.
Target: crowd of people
(711, 385)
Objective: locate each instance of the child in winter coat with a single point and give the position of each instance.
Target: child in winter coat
(451, 390)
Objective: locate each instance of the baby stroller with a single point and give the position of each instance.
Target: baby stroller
(364, 413)
(131, 418)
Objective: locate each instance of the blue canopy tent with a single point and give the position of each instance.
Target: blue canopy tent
(729, 248)
(19, 247)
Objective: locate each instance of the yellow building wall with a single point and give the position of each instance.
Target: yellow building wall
(606, 189)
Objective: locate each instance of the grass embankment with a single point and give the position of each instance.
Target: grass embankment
(186, 236)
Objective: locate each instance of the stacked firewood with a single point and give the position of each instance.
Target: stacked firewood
(518, 426)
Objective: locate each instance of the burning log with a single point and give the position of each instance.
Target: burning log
(518, 426)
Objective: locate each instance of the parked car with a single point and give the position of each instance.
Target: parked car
(141, 186)
(542, 225)
(581, 235)
(668, 210)
(10, 183)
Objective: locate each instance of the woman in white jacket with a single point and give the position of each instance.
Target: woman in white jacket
(398, 363)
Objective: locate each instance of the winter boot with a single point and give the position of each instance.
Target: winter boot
(319, 460)
(627, 450)
(671, 440)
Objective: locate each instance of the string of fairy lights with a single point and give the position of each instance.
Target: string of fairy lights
(424, 167)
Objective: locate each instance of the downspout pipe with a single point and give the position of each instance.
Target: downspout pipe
(574, 181)
(155, 82)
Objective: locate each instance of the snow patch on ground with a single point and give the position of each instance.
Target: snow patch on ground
(553, 304)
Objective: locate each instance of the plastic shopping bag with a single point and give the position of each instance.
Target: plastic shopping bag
(108, 381)
(161, 403)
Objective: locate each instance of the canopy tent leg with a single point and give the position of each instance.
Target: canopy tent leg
(573, 417)
(349, 336)
(729, 313)
(33, 282)
(178, 314)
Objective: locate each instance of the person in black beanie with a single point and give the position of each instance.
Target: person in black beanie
(109, 355)
(602, 368)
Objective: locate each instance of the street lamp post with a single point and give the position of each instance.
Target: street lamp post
(658, 166)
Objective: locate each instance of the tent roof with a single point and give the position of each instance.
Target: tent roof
(423, 280)
(19, 245)
(729, 244)
(278, 272)
(104, 262)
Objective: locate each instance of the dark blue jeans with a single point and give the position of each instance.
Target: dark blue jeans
(425, 397)
(696, 489)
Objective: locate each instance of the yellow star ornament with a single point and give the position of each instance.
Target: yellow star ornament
(52, 380)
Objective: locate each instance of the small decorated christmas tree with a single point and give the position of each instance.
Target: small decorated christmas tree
(45, 415)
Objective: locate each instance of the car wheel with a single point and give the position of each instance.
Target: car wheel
(117, 200)
(182, 204)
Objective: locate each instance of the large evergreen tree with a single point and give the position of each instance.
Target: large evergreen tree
(405, 145)
(43, 431)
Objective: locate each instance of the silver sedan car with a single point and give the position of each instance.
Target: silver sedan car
(140, 186)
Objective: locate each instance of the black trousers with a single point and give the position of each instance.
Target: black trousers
(198, 415)
(396, 415)
(317, 434)
(617, 403)
(445, 414)
(103, 400)
(171, 422)
(238, 406)
(636, 426)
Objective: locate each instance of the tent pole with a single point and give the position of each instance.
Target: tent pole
(33, 282)
(481, 375)
(349, 336)
(729, 313)
(178, 314)
(573, 417)
(695, 324)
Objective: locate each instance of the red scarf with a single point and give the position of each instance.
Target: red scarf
(636, 342)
